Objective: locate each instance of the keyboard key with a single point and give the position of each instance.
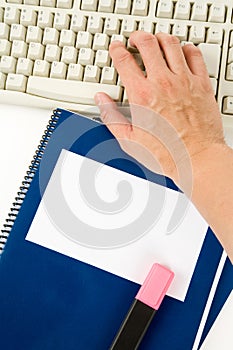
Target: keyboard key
(4, 31)
(48, 3)
(7, 64)
(111, 26)
(18, 32)
(217, 13)
(52, 53)
(35, 51)
(69, 54)
(31, 2)
(229, 72)
(28, 17)
(109, 75)
(123, 6)
(211, 54)
(86, 56)
(67, 38)
(128, 26)
(45, 19)
(182, 9)
(214, 35)
(14, 1)
(84, 39)
(16, 82)
(58, 70)
(24, 66)
(41, 68)
(75, 72)
(61, 21)
(34, 34)
(70, 91)
(2, 80)
(228, 105)
(118, 37)
(51, 36)
(199, 11)
(101, 41)
(64, 4)
(11, 15)
(89, 5)
(106, 6)
(78, 23)
(165, 8)
(140, 8)
(180, 30)
(163, 27)
(102, 58)
(92, 74)
(19, 49)
(5, 47)
(197, 34)
(146, 26)
(230, 55)
(125, 98)
(94, 24)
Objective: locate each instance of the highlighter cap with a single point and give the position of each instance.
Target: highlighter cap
(155, 286)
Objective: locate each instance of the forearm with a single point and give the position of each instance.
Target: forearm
(212, 192)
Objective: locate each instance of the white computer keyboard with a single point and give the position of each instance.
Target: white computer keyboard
(55, 52)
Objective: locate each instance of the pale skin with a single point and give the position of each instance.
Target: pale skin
(177, 99)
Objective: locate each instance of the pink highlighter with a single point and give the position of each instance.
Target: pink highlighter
(143, 309)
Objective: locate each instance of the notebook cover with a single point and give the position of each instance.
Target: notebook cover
(51, 301)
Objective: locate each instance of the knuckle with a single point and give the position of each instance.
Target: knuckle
(193, 50)
(147, 39)
(171, 40)
(164, 83)
(124, 56)
(144, 96)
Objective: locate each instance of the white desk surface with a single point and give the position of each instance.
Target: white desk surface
(20, 132)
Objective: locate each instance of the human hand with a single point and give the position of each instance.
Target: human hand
(175, 116)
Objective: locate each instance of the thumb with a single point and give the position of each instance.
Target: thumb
(117, 124)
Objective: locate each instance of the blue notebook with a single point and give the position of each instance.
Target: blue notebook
(52, 301)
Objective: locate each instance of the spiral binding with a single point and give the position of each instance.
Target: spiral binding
(33, 167)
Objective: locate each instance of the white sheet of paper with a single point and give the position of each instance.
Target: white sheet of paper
(133, 258)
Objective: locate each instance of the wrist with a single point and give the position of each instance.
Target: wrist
(196, 168)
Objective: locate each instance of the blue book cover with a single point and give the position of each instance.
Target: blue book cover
(52, 301)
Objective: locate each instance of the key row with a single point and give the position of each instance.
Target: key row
(52, 53)
(63, 4)
(60, 70)
(99, 40)
(127, 7)
(181, 9)
(197, 11)
(85, 56)
(66, 89)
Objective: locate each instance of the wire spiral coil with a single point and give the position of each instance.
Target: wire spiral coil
(32, 169)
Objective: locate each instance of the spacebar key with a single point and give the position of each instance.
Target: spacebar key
(70, 90)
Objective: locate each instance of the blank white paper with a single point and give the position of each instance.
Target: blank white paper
(114, 212)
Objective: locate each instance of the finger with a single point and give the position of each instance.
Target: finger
(118, 125)
(148, 46)
(125, 64)
(173, 53)
(195, 60)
